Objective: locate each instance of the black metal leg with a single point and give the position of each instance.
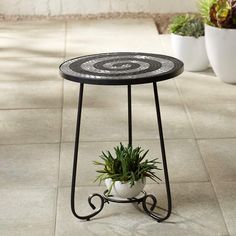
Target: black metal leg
(162, 144)
(74, 172)
(129, 115)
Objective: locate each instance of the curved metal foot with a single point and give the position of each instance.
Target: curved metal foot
(163, 153)
(144, 203)
(74, 173)
(88, 217)
(150, 212)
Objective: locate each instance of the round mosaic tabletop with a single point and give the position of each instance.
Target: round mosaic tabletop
(121, 68)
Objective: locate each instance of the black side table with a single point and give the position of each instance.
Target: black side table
(121, 68)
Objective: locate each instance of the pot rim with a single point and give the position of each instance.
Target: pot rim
(189, 37)
(219, 29)
(128, 182)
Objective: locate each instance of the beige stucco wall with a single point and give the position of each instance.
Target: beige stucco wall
(61, 7)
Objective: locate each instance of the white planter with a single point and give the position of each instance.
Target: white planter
(221, 50)
(191, 51)
(124, 190)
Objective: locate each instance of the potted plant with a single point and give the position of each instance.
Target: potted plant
(220, 30)
(125, 172)
(188, 43)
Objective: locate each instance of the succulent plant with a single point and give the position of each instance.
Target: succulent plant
(219, 13)
(128, 165)
(204, 8)
(187, 25)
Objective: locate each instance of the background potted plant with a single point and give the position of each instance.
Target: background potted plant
(188, 43)
(220, 30)
(125, 172)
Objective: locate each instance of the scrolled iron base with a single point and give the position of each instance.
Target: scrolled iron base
(139, 200)
(88, 217)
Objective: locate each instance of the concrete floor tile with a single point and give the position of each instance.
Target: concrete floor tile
(195, 209)
(113, 27)
(112, 219)
(25, 44)
(30, 69)
(226, 194)
(195, 212)
(195, 89)
(30, 94)
(184, 161)
(29, 165)
(30, 126)
(104, 96)
(90, 45)
(71, 94)
(113, 123)
(88, 152)
(213, 120)
(97, 124)
(111, 36)
(32, 25)
(94, 96)
(167, 91)
(174, 119)
(27, 211)
(219, 156)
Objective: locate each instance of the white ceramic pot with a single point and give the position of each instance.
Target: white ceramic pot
(221, 50)
(191, 51)
(124, 190)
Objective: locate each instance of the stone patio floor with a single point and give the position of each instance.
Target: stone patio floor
(37, 125)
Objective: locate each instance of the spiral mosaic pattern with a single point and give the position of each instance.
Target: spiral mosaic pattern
(119, 66)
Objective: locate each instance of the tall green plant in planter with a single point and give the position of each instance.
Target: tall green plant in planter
(188, 43)
(125, 171)
(220, 31)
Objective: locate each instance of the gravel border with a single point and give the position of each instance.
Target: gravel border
(162, 20)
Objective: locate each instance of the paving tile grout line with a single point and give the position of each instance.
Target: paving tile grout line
(30, 187)
(172, 183)
(61, 130)
(66, 40)
(185, 109)
(28, 108)
(87, 185)
(33, 57)
(24, 144)
(199, 150)
(213, 187)
(191, 123)
(148, 139)
(109, 141)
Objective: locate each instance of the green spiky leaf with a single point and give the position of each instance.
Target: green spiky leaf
(126, 165)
